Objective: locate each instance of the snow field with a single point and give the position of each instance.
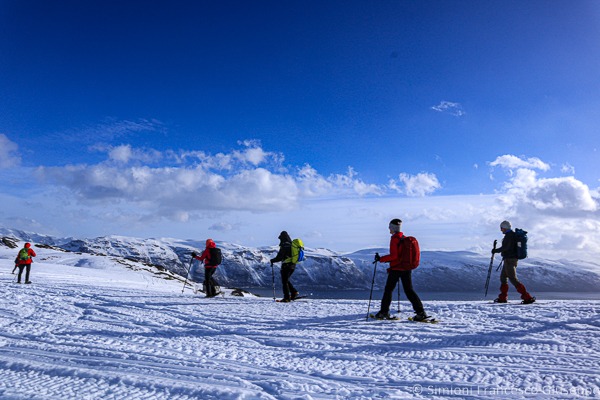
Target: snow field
(100, 331)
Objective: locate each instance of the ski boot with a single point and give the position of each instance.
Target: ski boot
(529, 301)
(420, 317)
(383, 315)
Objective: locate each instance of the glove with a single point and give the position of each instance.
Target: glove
(377, 258)
(494, 251)
(194, 254)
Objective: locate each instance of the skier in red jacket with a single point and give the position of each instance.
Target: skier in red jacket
(397, 271)
(210, 266)
(24, 260)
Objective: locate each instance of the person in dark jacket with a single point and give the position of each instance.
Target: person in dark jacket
(24, 260)
(508, 250)
(284, 255)
(209, 268)
(397, 272)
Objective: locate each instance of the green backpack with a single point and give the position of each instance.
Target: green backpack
(297, 251)
(24, 254)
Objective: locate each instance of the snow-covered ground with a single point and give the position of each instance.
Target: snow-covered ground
(90, 327)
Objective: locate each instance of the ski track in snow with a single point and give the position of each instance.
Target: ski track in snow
(70, 338)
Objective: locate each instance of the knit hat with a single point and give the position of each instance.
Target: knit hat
(505, 225)
(27, 245)
(395, 225)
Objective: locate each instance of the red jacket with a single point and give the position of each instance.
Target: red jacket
(395, 256)
(205, 256)
(31, 254)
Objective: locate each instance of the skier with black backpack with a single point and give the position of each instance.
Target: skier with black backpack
(512, 249)
(403, 258)
(212, 258)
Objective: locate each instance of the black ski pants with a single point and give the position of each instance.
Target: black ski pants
(27, 268)
(390, 285)
(286, 272)
(209, 282)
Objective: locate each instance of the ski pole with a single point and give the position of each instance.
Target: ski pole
(273, 275)
(500, 265)
(372, 283)
(398, 297)
(487, 281)
(186, 275)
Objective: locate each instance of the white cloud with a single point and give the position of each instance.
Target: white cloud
(448, 107)
(121, 154)
(111, 130)
(563, 196)
(350, 184)
(220, 227)
(9, 156)
(418, 185)
(560, 212)
(511, 162)
(250, 179)
(567, 169)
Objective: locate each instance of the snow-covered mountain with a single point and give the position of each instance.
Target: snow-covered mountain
(326, 269)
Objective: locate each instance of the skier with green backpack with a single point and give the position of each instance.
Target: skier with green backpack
(290, 253)
(24, 260)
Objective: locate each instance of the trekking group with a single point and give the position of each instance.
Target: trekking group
(403, 257)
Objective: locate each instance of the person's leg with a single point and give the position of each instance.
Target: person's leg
(511, 273)
(208, 282)
(412, 296)
(390, 284)
(291, 289)
(503, 296)
(21, 268)
(285, 276)
(27, 270)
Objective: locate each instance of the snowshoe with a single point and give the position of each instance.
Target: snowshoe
(529, 301)
(382, 315)
(420, 317)
(499, 300)
(428, 320)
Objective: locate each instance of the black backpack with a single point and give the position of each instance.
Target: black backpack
(215, 257)
(521, 243)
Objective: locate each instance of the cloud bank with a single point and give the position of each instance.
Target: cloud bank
(561, 212)
(246, 194)
(246, 179)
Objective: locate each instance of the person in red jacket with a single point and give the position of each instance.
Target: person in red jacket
(397, 272)
(210, 266)
(24, 260)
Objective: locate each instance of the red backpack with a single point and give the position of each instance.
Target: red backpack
(410, 254)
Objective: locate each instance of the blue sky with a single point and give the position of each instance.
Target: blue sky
(236, 120)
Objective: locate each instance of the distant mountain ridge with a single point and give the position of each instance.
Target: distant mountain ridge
(326, 269)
